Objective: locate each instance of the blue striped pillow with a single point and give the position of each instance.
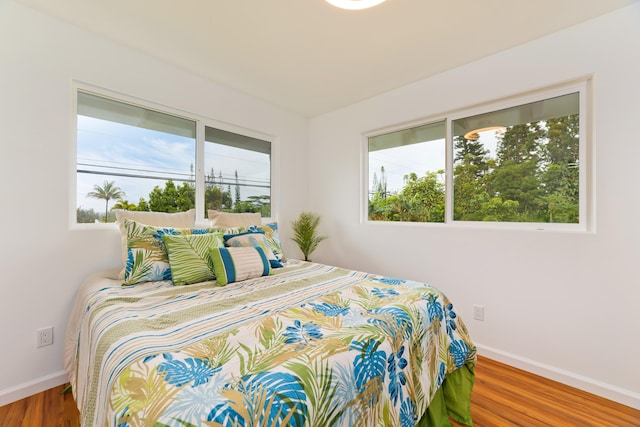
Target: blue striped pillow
(239, 263)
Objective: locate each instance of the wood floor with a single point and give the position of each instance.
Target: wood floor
(502, 396)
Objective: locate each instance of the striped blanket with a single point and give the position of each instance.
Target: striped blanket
(310, 345)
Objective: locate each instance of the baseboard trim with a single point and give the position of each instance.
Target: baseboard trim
(29, 388)
(616, 394)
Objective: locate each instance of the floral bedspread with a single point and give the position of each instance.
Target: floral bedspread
(311, 345)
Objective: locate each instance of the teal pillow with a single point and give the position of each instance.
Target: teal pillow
(147, 258)
(190, 258)
(236, 264)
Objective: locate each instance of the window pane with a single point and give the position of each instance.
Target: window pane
(406, 174)
(519, 164)
(237, 172)
(131, 157)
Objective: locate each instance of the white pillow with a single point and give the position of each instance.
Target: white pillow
(233, 220)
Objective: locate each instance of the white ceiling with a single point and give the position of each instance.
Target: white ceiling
(310, 57)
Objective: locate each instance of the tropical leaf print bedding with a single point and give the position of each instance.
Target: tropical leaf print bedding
(311, 345)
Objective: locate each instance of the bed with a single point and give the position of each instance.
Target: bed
(305, 344)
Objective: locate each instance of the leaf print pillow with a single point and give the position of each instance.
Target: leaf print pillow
(190, 258)
(147, 258)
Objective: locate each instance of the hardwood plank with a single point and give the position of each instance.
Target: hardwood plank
(502, 396)
(14, 413)
(508, 396)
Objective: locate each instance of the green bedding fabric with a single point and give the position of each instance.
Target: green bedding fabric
(453, 399)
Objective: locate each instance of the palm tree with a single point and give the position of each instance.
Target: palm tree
(107, 192)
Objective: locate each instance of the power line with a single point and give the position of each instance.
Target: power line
(168, 178)
(131, 169)
(176, 174)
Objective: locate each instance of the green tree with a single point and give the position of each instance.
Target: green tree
(237, 188)
(172, 199)
(471, 152)
(143, 205)
(516, 175)
(520, 143)
(124, 204)
(86, 215)
(469, 191)
(518, 182)
(212, 198)
(106, 192)
(420, 200)
(497, 209)
(263, 205)
(186, 197)
(470, 178)
(379, 187)
(245, 206)
(216, 199)
(559, 176)
(534, 177)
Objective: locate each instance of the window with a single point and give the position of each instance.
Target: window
(517, 161)
(238, 173)
(138, 158)
(406, 174)
(519, 164)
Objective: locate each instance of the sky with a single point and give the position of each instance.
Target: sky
(419, 158)
(400, 161)
(114, 150)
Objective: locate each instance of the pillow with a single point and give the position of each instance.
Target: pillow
(177, 220)
(236, 264)
(189, 256)
(248, 239)
(147, 258)
(231, 220)
(273, 240)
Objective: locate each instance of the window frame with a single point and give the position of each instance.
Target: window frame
(200, 121)
(586, 196)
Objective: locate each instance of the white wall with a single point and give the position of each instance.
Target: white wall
(564, 305)
(42, 261)
(561, 304)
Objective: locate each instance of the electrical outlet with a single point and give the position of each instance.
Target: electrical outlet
(478, 312)
(44, 336)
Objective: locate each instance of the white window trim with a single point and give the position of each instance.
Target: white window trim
(586, 222)
(201, 123)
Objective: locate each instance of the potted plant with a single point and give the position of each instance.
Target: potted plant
(305, 233)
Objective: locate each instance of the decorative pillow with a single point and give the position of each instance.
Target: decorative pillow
(189, 256)
(147, 258)
(159, 219)
(248, 239)
(231, 220)
(236, 264)
(273, 239)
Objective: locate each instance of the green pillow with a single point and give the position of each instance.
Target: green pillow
(189, 256)
(236, 264)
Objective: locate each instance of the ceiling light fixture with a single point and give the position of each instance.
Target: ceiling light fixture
(473, 135)
(355, 4)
